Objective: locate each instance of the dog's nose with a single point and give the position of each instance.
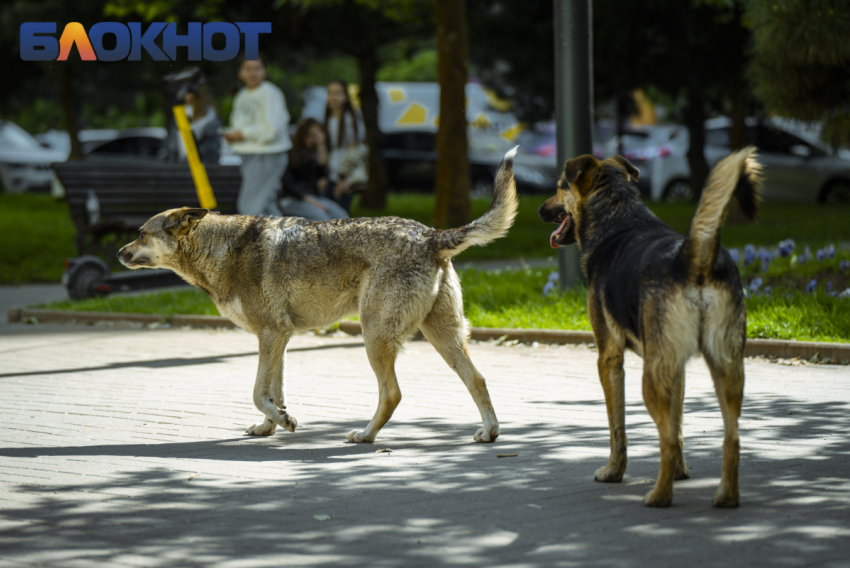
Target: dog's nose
(544, 215)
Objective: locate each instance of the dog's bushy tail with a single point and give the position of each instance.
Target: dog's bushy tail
(737, 174)
(490, 226)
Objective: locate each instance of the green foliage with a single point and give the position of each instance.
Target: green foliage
(37, 237)
(801, 61)
(164, 10)
(401, 65)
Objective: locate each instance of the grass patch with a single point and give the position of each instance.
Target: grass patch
(190, 301)
(36, 237)
(514, 299)
(38, 234)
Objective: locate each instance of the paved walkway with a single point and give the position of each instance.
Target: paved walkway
(123, 447)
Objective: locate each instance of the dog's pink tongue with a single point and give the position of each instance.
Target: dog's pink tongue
(554, 236)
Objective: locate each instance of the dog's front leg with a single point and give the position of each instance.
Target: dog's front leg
(612, 377)
(268, 388)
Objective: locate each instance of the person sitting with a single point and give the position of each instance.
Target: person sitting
(306, 178)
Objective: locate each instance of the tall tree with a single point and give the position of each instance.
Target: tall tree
(801, 61)
(452, 208)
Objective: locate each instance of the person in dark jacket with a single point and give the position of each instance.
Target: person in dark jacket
(306, 177)
(205, 122)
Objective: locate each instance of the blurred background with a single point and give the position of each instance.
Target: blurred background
(677, 85)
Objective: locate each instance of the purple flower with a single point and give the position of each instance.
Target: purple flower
(828, 287)
(820, 255)
(749, 254)
(805, 257)
(736, 256)
(786, 247)
(829, 251)
(844, 265)
(754, 285)
(811, 286)
(768, 291)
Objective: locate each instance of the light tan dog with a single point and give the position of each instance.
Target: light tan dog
(664, 295)
(277, 276)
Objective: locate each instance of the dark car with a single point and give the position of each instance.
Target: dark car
(411, 160)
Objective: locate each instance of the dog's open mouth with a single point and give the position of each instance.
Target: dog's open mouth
(559, 233)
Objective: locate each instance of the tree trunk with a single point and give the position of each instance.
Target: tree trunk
(695, 121)
(375, 196)
(69, 109)
(452, 207)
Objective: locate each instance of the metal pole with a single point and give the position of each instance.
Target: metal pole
(573, 102)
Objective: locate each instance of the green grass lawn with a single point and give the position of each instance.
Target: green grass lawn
(514, 299)
(37, 234)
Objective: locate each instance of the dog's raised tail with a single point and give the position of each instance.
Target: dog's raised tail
(737, 174)
(490, 226)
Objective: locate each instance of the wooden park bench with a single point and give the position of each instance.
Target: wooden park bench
(108, 202)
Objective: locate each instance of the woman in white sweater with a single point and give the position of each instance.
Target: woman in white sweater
(259, 133)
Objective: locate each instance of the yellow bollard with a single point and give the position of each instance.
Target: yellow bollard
(199, 174)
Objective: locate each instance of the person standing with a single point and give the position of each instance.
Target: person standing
(259, 133)
(345, 133)
(200, 111)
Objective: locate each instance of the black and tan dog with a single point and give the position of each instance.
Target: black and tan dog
(663, 295)
(276, 276)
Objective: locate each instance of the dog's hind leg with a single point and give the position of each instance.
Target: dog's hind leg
(728, 376)
(382, 355)
(445, 329)
(663, 387)
(268, 387)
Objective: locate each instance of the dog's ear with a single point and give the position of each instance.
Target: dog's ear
(579, 172)
(627, 165)
(181, 221)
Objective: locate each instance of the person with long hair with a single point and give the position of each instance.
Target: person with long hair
(306, 178)
(344, 131)
(259, 133)
(200, 110)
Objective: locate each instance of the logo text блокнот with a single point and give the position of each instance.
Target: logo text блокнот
(38, 41)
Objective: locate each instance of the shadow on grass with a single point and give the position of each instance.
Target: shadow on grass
(439, 499)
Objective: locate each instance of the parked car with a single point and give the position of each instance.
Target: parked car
(24, 162)
(411, 160)
(794, 169)
(146, 143)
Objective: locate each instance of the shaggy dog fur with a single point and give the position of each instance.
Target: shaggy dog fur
(663, 295)
(278, 276)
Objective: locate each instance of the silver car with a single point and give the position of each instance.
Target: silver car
(24, 163)
(794, 169)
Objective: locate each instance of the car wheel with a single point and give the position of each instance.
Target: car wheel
(837, 192)
(481, 188)
(678, 191)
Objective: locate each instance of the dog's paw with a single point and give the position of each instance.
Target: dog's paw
(725, 499)
(287, 421)
(267, 428)
(609, 474)
(487, 435)
(656, 498)
(359, 437)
